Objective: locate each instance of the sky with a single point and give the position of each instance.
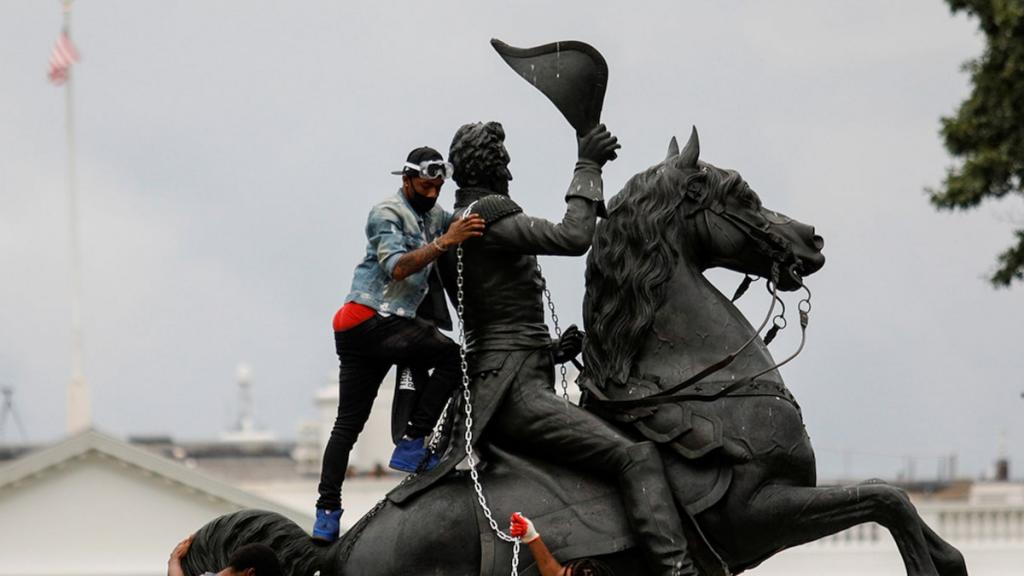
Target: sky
(228, 153)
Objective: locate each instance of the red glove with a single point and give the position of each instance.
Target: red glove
(522, 528)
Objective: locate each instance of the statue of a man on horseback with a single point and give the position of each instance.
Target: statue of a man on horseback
(510, 361)
(689, 448)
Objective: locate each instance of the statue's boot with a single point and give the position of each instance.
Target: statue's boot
(652, 512)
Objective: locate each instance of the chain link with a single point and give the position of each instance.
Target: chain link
(406, 382)
(438, 432)
(470, 456)
(558, 332)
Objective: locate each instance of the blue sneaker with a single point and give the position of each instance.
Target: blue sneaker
(410, 453)
(327, 525)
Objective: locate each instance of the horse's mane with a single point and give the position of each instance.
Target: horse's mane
(633, 256)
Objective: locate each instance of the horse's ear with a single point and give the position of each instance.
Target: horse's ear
(673, 148)
(688, 157)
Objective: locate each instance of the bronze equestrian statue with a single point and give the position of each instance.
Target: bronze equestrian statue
(510, 359)
(741, 464)
(669, 362)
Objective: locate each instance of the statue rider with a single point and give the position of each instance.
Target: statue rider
(511, 358)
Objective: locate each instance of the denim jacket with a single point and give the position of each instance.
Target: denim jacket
(392, 229)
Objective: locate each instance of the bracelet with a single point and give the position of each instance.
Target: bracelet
(437, 245)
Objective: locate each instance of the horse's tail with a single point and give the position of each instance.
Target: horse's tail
(215, 542)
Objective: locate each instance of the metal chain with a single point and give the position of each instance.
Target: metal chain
(435, 437)
(558, 331)
(470, 456)
(406, 382)
(779, 323)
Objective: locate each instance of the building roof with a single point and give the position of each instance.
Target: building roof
(92, 441)
(111, 508)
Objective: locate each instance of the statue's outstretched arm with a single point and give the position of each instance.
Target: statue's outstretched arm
(570, 237)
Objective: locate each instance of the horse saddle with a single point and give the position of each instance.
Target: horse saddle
(578, 515)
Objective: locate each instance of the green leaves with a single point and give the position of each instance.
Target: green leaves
(987, 132)
(1011, 264)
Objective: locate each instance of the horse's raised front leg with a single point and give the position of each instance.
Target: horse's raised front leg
(779, 517)
(947, 558)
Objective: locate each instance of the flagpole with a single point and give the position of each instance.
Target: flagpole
(79, 409)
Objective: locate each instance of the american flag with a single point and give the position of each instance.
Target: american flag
(64, 54)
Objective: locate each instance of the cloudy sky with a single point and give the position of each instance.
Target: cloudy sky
(229, 152)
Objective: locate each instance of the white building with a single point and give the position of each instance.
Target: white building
(93, 505)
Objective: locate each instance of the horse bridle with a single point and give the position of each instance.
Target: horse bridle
(780, 250)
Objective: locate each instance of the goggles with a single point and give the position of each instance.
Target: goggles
(432, 169)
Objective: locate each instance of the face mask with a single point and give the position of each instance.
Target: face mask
(421, 204)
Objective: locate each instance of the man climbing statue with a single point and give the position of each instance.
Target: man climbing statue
(392, 316)
(511, 355)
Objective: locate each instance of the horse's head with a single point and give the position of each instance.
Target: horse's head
(730, 228)
(681, 212)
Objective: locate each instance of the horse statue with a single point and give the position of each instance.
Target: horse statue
(658, 329)
(668, 358)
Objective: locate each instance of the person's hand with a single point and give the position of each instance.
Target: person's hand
(598, 145)
(569, 345)
(174, 562)
(522, 528)
(182, 548)
(462, 229)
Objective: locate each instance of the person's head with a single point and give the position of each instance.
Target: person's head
(587, 567)
(479, 155)
(423, 175)
(252, 560)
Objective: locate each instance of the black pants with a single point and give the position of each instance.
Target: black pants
(367, 352)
